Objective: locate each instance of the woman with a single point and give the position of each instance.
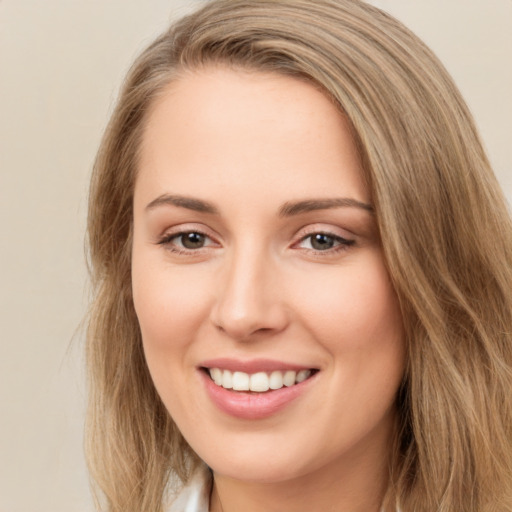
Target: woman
(302, 269)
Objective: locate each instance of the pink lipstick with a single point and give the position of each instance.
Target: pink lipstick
(254, 389)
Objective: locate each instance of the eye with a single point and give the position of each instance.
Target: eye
(191, 240)
(324, 242)
(186, 241)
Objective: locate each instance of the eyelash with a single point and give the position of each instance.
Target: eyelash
(167, 240)
(342, 243)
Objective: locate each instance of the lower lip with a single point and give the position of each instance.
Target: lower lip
(253, 406)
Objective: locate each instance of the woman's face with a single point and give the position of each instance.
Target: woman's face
(257, 265)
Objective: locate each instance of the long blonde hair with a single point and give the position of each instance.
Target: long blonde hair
(446, 236)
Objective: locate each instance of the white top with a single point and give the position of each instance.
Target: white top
(195, 496)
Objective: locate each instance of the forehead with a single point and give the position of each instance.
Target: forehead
(247, 130)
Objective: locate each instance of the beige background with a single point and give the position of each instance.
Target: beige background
(61, 63)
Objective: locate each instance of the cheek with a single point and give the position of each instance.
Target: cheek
(171, 310)
(171, 306)
(355, 316)
(353, 308)
(357, 320)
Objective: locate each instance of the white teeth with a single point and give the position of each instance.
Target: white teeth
(302, 375)
(258, 382)
(240, 381)
(289, 378)
(227, 379)
(276, 380)
(216, 375)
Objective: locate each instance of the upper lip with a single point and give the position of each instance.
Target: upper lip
(253, 365)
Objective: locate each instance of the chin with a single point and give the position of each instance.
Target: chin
(261, 472)
(265, 458)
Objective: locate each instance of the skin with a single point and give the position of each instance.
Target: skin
(256, 286)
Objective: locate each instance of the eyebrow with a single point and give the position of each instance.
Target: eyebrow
(288, 209)
(309, 205)
(190, 203)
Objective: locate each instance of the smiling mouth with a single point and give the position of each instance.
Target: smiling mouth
(259, 382)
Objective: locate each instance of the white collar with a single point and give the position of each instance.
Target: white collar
(195, 496)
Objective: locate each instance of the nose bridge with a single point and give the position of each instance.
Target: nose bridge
(248, 300)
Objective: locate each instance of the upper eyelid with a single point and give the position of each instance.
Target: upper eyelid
(342, 241)
(187, 228)
(167, 242)
(313, 229)
(300, 234)
(168, 235)
(325, 233)
(177, 234)
(344, 238)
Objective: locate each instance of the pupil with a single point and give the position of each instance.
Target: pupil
(321, 242)
(193, 240)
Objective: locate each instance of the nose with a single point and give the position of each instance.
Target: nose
(249, 300)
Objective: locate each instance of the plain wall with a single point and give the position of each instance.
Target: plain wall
(61, 64)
